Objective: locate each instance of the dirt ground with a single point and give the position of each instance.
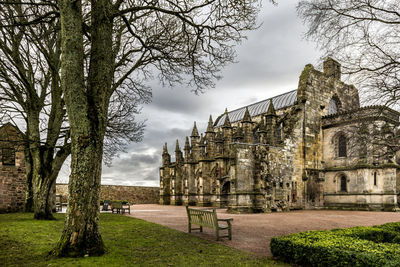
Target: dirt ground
(253, 232)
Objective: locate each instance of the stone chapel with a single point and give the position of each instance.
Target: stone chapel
(313, 147)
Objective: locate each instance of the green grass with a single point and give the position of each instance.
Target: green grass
(129, 242)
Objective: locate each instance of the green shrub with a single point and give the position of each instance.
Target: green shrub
(357, 246)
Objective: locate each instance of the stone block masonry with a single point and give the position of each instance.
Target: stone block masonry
(132, 194)
(12, 189)
(12, 170)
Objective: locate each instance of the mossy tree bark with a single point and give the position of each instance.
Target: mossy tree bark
(46, 162)
(87, 108)
(43, 164)
(28, 205)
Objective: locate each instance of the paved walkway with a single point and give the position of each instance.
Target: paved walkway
(253, 232)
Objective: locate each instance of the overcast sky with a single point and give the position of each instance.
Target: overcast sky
(268, 63)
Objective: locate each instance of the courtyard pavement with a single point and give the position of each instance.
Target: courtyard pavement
(253, 232)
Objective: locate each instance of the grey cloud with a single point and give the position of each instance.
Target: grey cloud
(152, 176)
(166, 99)
(275, 52)
(132, 163)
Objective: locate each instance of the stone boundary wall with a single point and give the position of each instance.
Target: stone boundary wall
(132, 194)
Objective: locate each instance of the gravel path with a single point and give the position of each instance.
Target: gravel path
(253, 232)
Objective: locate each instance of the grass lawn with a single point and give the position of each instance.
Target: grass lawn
(129, 242)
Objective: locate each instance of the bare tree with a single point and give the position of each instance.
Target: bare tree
(364, 35)
(30, 94)
(175, 41)
(31, 98)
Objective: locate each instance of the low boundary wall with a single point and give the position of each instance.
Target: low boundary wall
(132, 194)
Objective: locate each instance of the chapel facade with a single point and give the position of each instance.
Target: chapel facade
(313, 147)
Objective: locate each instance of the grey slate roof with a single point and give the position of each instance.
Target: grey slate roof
(280, 101)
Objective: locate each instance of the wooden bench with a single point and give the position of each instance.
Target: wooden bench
(208, 218)
(118, 207)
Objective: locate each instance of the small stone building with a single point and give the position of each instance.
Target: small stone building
(313, 147)
(12, 169)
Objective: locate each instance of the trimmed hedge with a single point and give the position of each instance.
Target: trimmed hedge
(356, 246)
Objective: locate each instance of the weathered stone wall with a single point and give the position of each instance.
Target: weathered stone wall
(370, 177)
(13, 175)
(132, 194)
(12, 188)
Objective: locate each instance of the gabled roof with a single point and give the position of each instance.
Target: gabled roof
(279, 101)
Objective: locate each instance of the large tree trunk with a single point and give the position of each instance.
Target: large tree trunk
(81, 235)
(42, 202)
(42, 166)
(87, 113)
(45, 172)
(39, 168)
(28, 206)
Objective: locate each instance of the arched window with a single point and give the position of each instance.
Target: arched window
(342, 146)
(279, 132)
(343, 184)
(256, 137)
(333, 107)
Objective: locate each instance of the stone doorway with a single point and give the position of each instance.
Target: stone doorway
(225, 190)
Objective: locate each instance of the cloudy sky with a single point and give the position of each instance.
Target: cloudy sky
(268, 63)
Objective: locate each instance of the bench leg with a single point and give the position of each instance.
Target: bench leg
(230, 233)
(217, 233)
(190, 227)
(201, 228)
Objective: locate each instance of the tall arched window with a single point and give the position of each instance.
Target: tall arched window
(333, 107)
(279, 132)
(342, 146)
(343, 184)
(256, 137)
